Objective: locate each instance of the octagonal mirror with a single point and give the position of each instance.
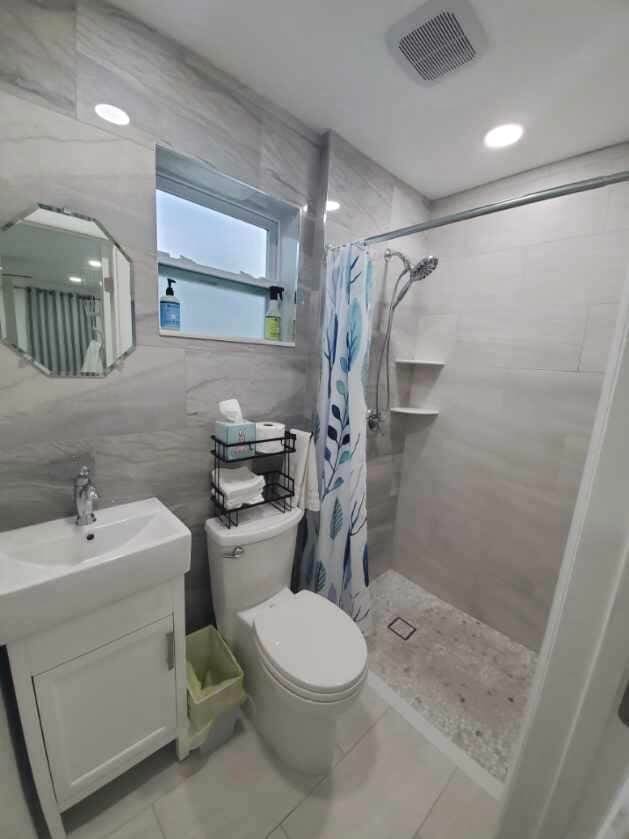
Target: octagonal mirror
(66, 293)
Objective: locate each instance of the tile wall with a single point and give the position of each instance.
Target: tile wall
(522, 307)
(143, 430)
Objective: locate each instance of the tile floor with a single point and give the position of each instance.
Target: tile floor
(465, 678)
(388, 782)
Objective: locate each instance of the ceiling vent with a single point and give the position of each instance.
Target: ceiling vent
(435, 40)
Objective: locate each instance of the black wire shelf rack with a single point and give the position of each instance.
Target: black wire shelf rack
(279, 488)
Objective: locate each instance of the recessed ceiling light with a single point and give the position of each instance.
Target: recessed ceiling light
(94, 263)
(110, 113)
(503, 135)
(332, 206)
(75, 279)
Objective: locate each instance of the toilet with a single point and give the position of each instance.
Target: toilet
(305, 660)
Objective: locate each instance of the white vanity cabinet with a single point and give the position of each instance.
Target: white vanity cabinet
(100, 693)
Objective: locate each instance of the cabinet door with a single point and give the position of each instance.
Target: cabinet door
(106, 710)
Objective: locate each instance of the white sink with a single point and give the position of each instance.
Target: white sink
(53, 572)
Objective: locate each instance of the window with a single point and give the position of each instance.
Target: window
(214, 234)
(224, 247)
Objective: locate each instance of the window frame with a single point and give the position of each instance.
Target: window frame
(206, 198)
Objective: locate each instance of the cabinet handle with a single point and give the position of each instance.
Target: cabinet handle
(170, 650)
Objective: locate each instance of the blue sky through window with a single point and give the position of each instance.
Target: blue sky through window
(208, 237)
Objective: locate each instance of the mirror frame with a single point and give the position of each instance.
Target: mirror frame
(22, 354)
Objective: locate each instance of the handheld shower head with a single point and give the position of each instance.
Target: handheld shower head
(423, 268)
(418, 272)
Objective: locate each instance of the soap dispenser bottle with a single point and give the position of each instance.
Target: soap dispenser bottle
(273, 317)
(169, 309)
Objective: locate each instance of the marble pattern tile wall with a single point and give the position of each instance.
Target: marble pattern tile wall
(522, 307)
(144, 430)
(37, 51)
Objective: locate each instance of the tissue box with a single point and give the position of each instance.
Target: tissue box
(243, 433)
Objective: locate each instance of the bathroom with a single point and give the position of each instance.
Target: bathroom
(499, 356)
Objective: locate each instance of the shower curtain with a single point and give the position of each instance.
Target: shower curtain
(58, 328)
(341, 571)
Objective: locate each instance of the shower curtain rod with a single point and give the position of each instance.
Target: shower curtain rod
(498, 206)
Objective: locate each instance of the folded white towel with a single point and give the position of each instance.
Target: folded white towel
(236, 481)
(93, 362)
(303, 470)
(239, 486)
(235, 503)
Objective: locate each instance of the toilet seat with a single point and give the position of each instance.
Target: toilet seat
(311, 647)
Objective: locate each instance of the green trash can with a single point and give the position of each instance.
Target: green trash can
(215, 681)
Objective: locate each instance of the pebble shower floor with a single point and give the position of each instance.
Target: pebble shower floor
(468, 680)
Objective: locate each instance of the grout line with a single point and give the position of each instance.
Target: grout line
(123, 824)
(416, 835)
(362, 737)
(159, 824)
(463, 761)
(333, 767)
(588, 310)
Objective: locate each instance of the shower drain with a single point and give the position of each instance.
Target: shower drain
(403, 629)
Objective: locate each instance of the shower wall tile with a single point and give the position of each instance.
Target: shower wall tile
(601, 162)
(617, 217)
(547, 338)
(435, 335)
(383, 476)
(488, 488)
(492, 353)
(37, 51)
(598, 337)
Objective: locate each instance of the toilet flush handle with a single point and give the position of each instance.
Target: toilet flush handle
(236, 553)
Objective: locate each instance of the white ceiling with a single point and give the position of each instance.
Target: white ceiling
(560, 67)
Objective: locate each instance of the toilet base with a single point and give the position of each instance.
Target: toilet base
(301, 732)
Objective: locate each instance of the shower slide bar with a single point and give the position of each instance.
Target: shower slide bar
(509, 204)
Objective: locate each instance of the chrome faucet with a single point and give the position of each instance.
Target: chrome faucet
(84, 497)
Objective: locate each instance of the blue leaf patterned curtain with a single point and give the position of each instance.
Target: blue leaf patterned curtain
(341, 571)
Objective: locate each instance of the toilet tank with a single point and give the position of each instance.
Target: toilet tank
(251, 562)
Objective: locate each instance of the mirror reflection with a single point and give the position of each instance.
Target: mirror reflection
(66, 293)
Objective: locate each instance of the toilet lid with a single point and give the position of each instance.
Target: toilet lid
(312, 643)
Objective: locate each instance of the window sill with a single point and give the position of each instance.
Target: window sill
(176, 333)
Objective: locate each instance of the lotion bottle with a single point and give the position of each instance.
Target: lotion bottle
(169, 309)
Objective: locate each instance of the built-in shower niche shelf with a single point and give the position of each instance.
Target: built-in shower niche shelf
(420, 362)
(416, 412)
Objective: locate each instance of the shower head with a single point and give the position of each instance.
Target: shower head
(423, 268)
(417, 273)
